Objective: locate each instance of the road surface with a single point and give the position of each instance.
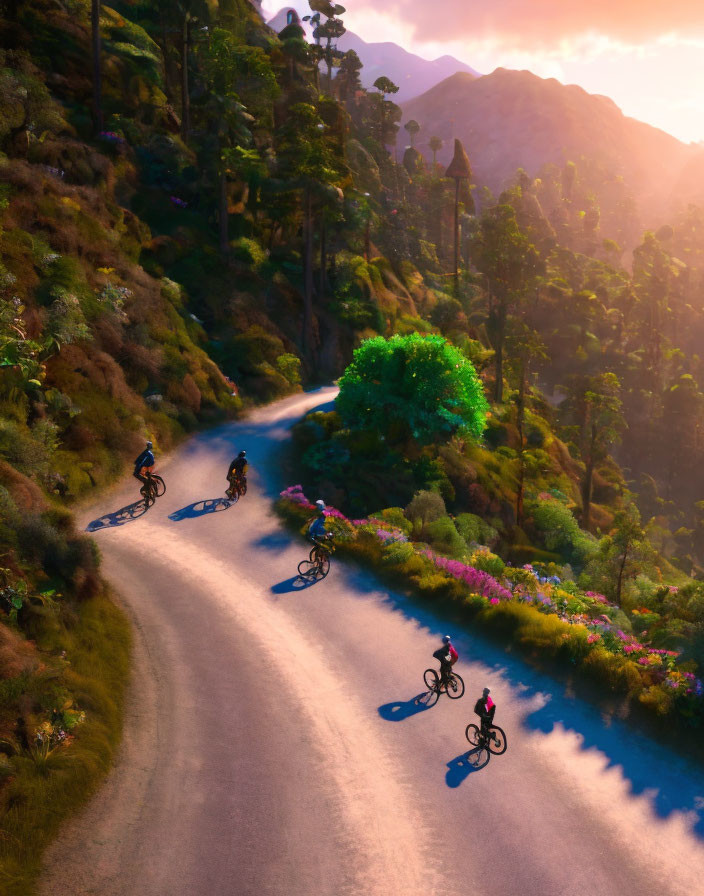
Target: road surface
(273, 747)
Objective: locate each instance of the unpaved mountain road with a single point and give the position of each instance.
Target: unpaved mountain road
(272, 746)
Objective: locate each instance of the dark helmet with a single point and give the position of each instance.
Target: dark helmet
(242, 454)
(446, 639)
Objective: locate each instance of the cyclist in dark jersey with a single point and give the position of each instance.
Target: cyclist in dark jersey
(447, 656)
(237, 470)
(145, 461)
(485, 709)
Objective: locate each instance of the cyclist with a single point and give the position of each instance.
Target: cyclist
(447, 656)
(485, 709)
(316, 528)
(145, 462)
(237, 471)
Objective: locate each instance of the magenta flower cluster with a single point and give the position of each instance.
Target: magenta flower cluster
(294, 493)
(112, 137)
(478, 581)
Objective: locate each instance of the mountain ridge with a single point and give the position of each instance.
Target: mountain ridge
(513, 119)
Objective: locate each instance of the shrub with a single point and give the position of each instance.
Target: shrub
(486, 561)
(561, 532)
(398, 552)
(425, 508)
(475, 530)
(412, 387)
(396, 517)
(445, 538)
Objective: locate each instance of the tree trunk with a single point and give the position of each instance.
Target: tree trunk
(308, 275)
(97, 71)
(587, 484)
(223, 213)
(520, 423)
(500, 318)
(457, 238)
(185, 94)
(619, 581)
(328, 54)
(323, 260)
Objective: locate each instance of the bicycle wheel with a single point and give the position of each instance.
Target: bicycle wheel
(478, 757)
(496, 742)
(323, 565)
(432, 682)
(159, 486)
(427, 699)
(148, 495)
(472, 734)
(455, 686)
(307, 570)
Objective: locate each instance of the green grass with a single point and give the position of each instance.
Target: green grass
(44, 790)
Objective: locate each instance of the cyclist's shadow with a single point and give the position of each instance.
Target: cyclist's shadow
(118, 517)
(200, 508)
(404, 709)
(462, 766)
(295, 583)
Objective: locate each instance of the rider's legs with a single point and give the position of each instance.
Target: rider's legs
(445, 672)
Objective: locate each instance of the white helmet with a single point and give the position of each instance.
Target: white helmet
(320, 504)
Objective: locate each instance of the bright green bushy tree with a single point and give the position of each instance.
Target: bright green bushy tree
(412, 387)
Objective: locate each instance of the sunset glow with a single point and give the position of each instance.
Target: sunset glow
(651, 64)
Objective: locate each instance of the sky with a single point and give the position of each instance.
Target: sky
(647, 55)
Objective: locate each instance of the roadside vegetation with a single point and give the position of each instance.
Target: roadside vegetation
(609, 610)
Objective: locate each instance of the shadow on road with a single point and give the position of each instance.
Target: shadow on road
(200, 508)
(404, 709)
(669, 782)
(462, 766)
(295, 583)
(118, 517)
(273, 541)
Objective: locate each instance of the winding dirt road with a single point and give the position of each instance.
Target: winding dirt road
(273, 747)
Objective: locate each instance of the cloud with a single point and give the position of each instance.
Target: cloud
(547, 24)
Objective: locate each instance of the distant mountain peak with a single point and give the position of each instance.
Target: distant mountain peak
(514, 119)
(413, 74)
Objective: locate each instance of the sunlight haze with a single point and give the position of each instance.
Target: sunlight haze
(650, 64)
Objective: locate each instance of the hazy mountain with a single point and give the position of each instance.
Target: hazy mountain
(413, 74)
(512, 119)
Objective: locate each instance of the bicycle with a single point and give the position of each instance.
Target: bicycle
(152, 489)
(237, 489)
(318, 562)
(454, 685)
(492, 738)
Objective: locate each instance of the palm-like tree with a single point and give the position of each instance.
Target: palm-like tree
(413, 128)
(436, 144)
